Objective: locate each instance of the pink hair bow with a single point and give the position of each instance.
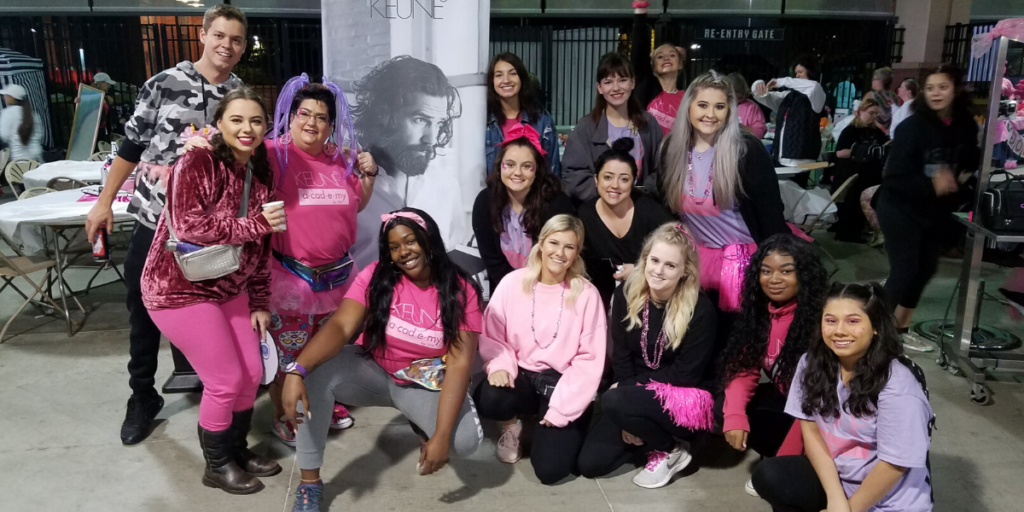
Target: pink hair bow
(689, 237)
(521, 130)
(1012, 28)
(386, 219)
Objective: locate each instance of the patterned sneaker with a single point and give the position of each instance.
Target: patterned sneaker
(509, 450)
(341, 419)
(283, 430)
(308, 496)
(662, 466)
(914, 342)
(749, 488)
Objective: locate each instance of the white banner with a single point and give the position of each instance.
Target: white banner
(413, 71)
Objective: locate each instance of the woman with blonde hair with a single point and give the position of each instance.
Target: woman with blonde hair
(543, 346)
(663, 335)
(722, 183)
(860, 150)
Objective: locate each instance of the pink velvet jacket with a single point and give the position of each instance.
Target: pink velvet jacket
(204, 196)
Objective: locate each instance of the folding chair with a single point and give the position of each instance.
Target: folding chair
(35, 191)
(5, 156)
(103, 146)
(818, 221)
(14, 267)
(99, 156)
(116, 139)
(61, 183)
(16, 169)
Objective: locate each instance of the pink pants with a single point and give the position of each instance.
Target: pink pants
(217, 338)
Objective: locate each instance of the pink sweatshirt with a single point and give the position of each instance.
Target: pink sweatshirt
(577, 351)
(740, 389)
(750, 115)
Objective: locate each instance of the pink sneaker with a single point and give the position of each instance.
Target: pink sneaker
(283, 430)
(509, 450)
(341, 419)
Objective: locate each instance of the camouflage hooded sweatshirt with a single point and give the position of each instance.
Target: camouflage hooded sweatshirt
(167, 104)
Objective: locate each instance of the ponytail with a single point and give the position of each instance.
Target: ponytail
(27, 122)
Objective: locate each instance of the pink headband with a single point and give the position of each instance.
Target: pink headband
(521, 130)
(388, 217)
(689, 237)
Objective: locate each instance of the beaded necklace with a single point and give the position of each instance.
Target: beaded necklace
(659, 344)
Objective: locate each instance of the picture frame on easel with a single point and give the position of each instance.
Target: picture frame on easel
(86, 126)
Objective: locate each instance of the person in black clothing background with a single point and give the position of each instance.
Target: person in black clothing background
(663, 336)
(934, 153)
(521, 195)
(617, 221)
(860, 151)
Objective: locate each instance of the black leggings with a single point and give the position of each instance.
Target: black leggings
(913, 253)
(636, 410)
(769, 423)
(554, 450)
(789, 484)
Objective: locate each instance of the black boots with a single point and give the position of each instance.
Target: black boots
(221, 470)
(138, 418)
(245, 458)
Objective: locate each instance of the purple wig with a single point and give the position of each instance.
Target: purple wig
(344, 134)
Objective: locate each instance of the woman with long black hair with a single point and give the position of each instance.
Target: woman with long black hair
(864, 415)
(420, 317)
(935, 153)
(783, 292)
(512, 100)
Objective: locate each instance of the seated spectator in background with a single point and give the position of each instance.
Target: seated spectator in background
(750, 115)
(512, 100)
(617, 221)
(881, 85)
(860, 152)
(616, 114)
(907, 92)
(784, 290)
(663, 334)
(797, 116)
(864, 413)
(661, 78)
(521, 196)
(543, 346)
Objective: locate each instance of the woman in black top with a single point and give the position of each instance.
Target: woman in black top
(935, 153)
(521, 195)
(617, 221)
(663, 334)
(860, 151)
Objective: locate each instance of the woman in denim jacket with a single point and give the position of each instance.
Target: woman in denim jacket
(511, 100)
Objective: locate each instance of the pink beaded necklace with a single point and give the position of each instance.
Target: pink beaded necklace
(689, 180)
(659, 344)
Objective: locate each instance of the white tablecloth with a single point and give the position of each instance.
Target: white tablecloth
(88, 172)
(19, 220)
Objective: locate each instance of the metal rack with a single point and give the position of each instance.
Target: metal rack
(956, 351)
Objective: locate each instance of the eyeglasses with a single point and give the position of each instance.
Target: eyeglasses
(303, 116)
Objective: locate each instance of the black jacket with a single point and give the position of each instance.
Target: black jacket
(921, 144)
(761, 203)
(489, 242)
(587, 141)
(802, 129)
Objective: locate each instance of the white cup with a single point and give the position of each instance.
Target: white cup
(273, 205)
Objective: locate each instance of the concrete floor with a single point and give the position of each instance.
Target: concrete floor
(63, 402)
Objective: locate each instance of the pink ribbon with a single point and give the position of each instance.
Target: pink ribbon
(388, 217)
(521, 130)
(1012, 28)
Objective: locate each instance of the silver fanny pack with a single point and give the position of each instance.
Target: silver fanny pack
(213, 261)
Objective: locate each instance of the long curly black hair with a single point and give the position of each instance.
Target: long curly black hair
(748, 342)
(449, 280)
(871, 372)
(545, 186)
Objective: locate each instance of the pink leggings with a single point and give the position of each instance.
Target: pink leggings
(217, 338)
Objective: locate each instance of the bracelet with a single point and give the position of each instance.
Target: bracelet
(297, 374)
(372, 174)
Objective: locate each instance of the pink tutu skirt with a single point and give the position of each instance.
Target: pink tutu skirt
(290, 295)
(722, 270)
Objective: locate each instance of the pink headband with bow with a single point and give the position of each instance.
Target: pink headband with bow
(521, 130)
(388, 217)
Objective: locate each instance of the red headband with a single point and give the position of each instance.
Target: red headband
(520, 131)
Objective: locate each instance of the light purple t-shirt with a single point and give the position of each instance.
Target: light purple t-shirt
(711, 226)
(515, 242)
(897, 433)
(615, 133)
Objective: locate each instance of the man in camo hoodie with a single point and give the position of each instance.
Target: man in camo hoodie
(168, 103)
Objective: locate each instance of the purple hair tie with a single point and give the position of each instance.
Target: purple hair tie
(282, 111)
(344, 129)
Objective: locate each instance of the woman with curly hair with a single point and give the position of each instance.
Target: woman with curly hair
(864, 414)
(783, 292)
(521, 195)
(663, 335)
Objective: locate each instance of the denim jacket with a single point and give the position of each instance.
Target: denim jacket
(548, 140)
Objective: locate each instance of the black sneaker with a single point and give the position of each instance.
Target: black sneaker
(139, 418)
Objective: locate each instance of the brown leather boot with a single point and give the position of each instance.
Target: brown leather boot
(252, 463)
(221, 470)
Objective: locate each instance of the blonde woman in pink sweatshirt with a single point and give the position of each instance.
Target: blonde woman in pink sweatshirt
(543, 345)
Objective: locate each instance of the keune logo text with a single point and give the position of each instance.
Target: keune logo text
(406, 9)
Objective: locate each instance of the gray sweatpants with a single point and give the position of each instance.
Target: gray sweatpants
(353, 379)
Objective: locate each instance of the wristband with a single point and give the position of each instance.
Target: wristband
(292, 368)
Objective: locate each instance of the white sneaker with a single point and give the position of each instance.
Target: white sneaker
(661, 467)
(749, 488)
(914, 342)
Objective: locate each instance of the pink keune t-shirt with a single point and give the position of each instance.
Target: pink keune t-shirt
(414, 329)
(897, 433)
